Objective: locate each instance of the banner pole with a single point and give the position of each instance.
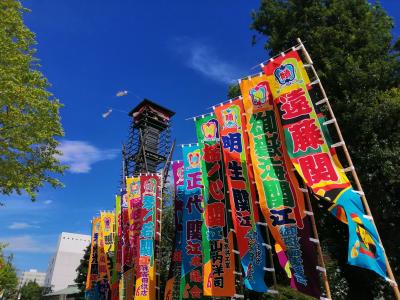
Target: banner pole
(122, 294)
(318, 245)
(271, 260)
(353, 171)
(159, 212)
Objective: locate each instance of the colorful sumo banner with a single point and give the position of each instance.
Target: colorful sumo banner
(217, 246)
(126, 246)
(107, 228)
(172, 286)
(316, 162)
(117, 250)
(242, 193)
(134, 199)
(192, 271)
(280, 197)
(145, 287)
(104, 271)
(93, 273)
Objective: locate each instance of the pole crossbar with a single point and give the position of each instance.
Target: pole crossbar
(310, 214)
(392, 281)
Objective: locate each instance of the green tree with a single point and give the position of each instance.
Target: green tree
(8, 276)
(351, 44)
(82, 271)
(29, 114)
(31, 291)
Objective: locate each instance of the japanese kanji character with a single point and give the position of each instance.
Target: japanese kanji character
(260, 145)
(218, 269)
(212, 153)
(305, 134)
(216, 256)
(194, 181)
(274, 145)
(195, 276)
(291, 241)
(241, 199)
(195, 292)
(263, 122)
(147, 230)
(288, 231)
(281, 216)
(216, 246)
(146, 247)
(196, 201)
(294, 104)
(236, 170)
(219, 282)
(215, 168)
(243, 220)
(215, 215)
(196, 261)
(193, 230)
(233, 141)
(216, 189)
(270, 171)
(317, 167)
(148, 202)
(193, 248)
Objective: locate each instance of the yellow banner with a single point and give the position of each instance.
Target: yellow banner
(107, 228)
(104, 271)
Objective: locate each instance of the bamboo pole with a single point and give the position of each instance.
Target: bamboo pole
(271, 259)
(353, 172)
(122, 295)
(159, 212)
(318, 245)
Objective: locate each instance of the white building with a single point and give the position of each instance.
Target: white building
(32, 275)
(62, 266)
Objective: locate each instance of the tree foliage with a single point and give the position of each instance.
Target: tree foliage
(82, 271)
(29, 114)
(8, 276)
(31, 291)
(351, 45)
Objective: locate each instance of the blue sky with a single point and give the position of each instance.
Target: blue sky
(181, 54)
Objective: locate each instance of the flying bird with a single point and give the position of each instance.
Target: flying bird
(107, 113)
(122, 93)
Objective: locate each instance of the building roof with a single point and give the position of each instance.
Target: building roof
(145, 101)
(69, 290)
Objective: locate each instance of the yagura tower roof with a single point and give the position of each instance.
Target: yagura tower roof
(148, 104)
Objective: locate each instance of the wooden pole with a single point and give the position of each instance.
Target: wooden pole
(271, 260)
(318, 245)
(353, 172)
(122, 293)
(158, 243)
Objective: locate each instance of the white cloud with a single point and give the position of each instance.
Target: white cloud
(26, 243)
(80, 155)
(22, 225)
(203, 59)
(47, 202)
